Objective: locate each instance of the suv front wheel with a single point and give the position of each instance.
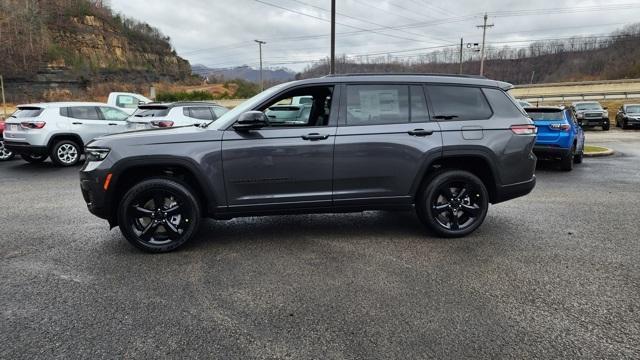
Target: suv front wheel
(453, 203)
(65, 153)
(159, 215)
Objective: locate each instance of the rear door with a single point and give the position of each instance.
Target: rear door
(115, 119)
(384, 141)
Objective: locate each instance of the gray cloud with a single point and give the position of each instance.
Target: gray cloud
(220, 33)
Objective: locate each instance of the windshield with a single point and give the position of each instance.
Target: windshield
(151, 112)
(633, 109)
(545, 115)
(248, 104)
(589, 106)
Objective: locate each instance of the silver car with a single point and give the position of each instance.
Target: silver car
(149, 116)
(60, 130)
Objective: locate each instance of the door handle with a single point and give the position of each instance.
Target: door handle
(420, 132)
(315, 136)
(112, 124)
(76, 123)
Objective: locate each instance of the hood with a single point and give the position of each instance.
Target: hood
(156, 136)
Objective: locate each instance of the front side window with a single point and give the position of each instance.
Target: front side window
(288, 110)
(202, 113)
(377, 104)
(112, 114)
(127, 102)
(458, 103)
(83, 112)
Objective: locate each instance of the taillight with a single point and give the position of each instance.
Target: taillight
(162, 124)
(560, 127)
(524, 129)
(33, 125)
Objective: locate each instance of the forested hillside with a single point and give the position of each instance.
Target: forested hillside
(79, 42)
(615, 56)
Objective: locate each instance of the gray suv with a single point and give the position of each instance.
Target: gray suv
(446, 146)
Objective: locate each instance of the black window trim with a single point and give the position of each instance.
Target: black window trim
(432, 113)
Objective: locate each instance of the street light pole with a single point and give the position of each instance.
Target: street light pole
(332, 66)
(260, 43)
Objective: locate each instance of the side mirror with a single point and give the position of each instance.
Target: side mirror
(251, 120)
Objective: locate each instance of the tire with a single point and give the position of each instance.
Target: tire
(606, 127)
(5, 154)
(623, 125)
(65, 153)
(453, 203)
(566, 162)
(159, 228)
(33, 158)
(577, 159)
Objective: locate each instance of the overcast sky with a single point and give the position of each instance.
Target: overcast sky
(220, 33)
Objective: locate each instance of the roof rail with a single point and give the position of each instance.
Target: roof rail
(408, 74)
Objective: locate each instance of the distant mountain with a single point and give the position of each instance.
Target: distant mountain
(244, 72)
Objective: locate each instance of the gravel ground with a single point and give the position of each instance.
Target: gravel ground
(551, 275)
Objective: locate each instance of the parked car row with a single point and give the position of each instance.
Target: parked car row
(61, 130)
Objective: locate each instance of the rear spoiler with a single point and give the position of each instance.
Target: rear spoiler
(504, 85)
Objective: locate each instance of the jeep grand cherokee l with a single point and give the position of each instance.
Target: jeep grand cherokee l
(446, 146)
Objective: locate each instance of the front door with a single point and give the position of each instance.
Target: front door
(288, 162)
(384, 141)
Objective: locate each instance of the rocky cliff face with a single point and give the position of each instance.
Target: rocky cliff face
(71, 47)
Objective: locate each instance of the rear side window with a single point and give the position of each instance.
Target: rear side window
(27, 112)
(152, 112)
(127, 101)
(82, 112)
(202, 113)
(377, 104)
(458, 103)
(503, 104)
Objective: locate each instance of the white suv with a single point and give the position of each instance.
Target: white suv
(60, 130)
(150, 116)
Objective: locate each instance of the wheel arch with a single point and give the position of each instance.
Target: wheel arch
(65, 136)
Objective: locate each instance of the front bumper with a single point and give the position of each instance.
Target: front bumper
(92, 187)
(25, 148)
(593, 122)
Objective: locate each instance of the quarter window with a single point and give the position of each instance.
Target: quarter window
(112, 114)
(377, 104)
(458, 103)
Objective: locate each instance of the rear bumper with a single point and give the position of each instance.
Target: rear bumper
(550, 152)
(25, 148)
(512, 191)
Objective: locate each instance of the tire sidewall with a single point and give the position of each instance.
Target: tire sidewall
(57, 160)
(425, 212)
(150, 184)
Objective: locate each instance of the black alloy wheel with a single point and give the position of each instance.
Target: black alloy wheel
(159, 215)
(454, 203)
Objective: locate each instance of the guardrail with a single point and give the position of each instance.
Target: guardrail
(608, 95)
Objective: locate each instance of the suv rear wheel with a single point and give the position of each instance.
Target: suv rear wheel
(159, 215)
(65, 153)
(453, 203)
(567, 161)
(34, 158)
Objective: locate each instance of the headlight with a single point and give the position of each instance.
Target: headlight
(605, 114)
(96, 154)
(579, 115)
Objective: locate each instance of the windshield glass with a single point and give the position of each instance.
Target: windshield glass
(247, 105)
(633, 109)
(589, 106)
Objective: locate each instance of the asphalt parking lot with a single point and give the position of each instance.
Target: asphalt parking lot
(551, 275)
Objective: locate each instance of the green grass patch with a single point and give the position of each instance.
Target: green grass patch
(588, 149)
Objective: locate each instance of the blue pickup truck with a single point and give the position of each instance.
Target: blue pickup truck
(560, 138)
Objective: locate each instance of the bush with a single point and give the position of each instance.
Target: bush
(184, 96)
(245, 90)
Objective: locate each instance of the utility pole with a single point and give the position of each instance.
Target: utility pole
(461, 41)
(4, 104)
(260, 43)
(332, 66)
(484, 37)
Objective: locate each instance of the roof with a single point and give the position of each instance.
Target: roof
(63, 104)
(407, 77)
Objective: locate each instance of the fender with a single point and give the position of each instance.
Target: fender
(75, 137)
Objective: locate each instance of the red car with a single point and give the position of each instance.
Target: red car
(4, 153)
